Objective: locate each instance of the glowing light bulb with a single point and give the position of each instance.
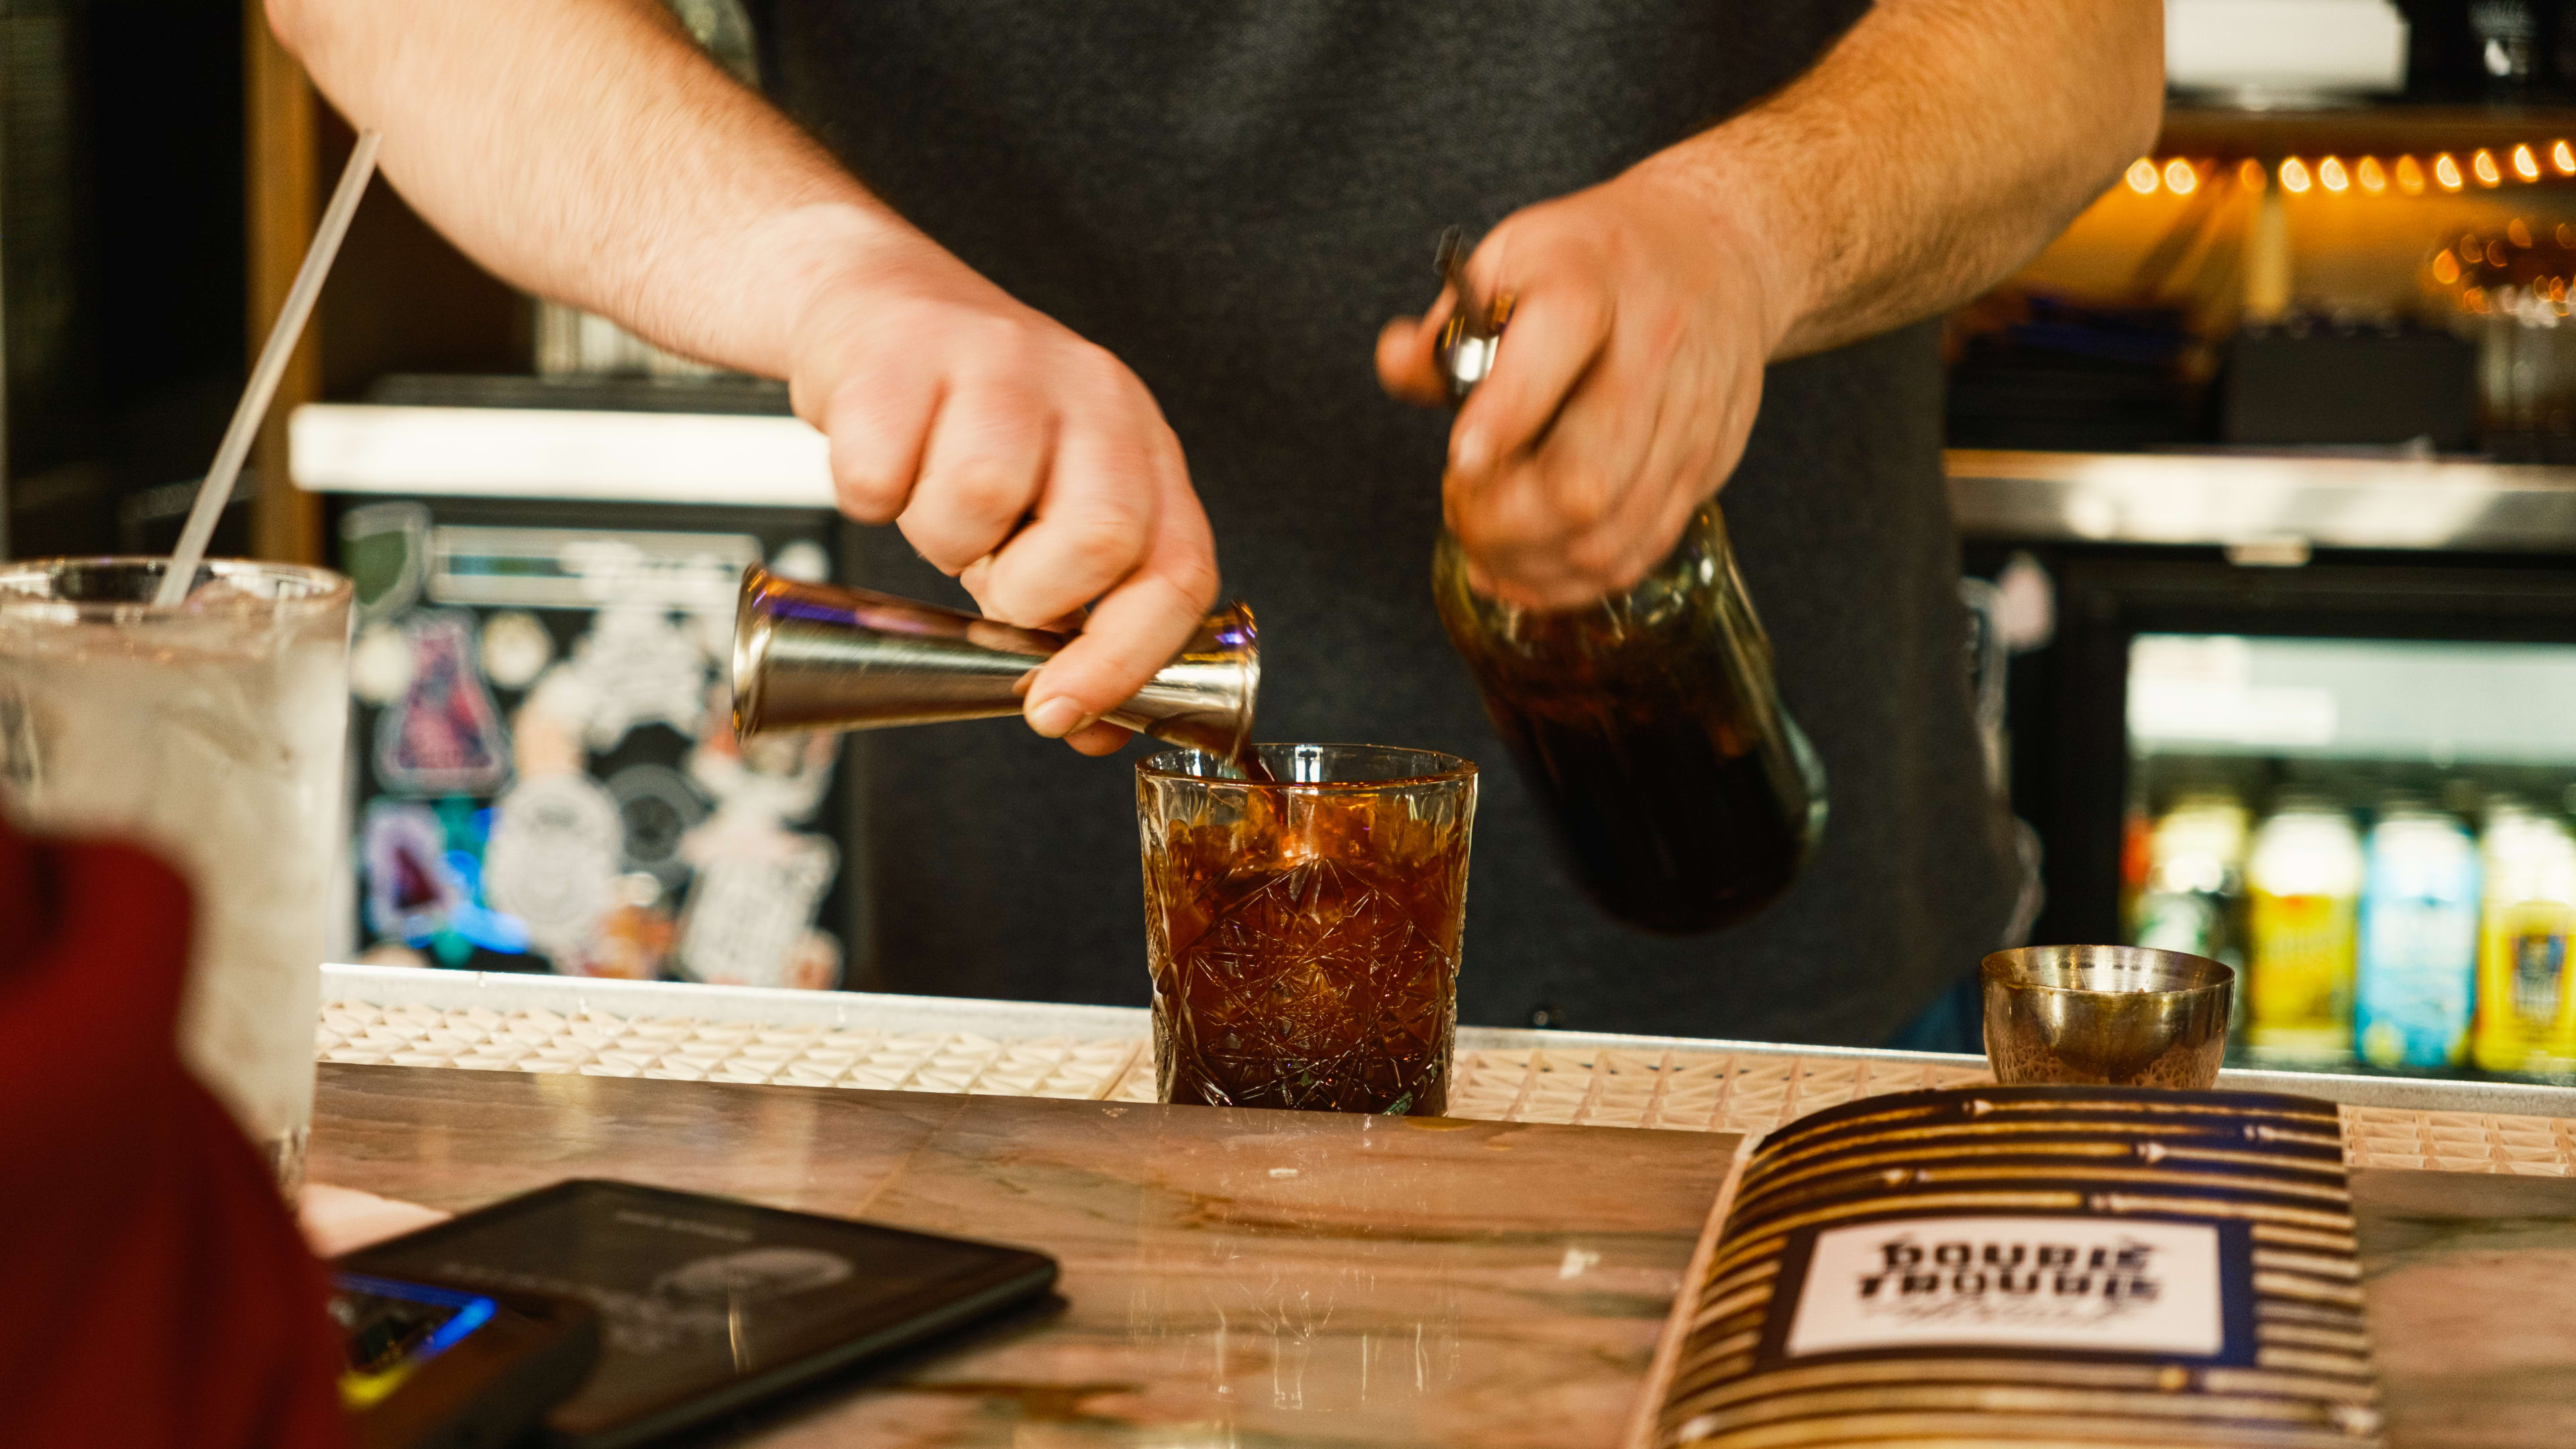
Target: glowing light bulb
(2410, 176)
(2249, 174)
(2563, 156)
(2484, 165)
(2294, 176)
(2446, 268)
(2373, 177)
(2526, 165)
(2142, 176)
(2330, 175)
(2519, 233)
(2180, 179)
(2446, 171)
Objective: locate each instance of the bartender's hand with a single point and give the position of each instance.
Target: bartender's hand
(1621, 396)
(1020, 459)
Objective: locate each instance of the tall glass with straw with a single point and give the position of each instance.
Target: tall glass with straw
(199, 707)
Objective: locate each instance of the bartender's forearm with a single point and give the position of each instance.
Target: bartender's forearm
(587, 151)
(1933, 150)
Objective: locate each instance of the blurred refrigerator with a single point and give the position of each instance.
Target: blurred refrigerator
(2352, 780)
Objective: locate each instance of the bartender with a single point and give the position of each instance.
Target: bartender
(1078, 291)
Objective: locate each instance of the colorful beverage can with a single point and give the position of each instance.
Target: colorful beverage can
(2419, 940)
(2304, 882)
(2526, 1019)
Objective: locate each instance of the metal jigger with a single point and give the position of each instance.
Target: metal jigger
(2106, 1015)
(818, 657)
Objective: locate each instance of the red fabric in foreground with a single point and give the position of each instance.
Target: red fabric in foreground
(153, 1289)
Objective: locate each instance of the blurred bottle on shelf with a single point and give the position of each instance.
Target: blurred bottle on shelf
(2188, 891)
(574, 343)
(2506, 289)
(2303, 880)
(2483, 50)
(2191, 879)
(2523, 1005)
(2507, 36)
(2419, 939)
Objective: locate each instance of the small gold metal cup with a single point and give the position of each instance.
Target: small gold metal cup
(2108, 1015)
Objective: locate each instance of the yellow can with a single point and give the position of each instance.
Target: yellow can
(2526, 1013)
(2522, 986)
(2299, 997)
(2302, 936)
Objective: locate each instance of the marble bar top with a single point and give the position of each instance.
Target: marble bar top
(1230, 1278)
(2470, 1284)
(1244, 1279)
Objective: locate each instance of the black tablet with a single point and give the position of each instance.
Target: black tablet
(709, 1304)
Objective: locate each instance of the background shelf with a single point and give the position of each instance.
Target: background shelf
(2238, 499)
(2358, 130)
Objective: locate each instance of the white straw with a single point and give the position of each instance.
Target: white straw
(217, 489)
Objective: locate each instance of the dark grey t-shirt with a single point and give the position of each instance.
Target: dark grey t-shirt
(1232, 196)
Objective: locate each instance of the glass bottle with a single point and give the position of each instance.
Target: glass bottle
(1683, 796)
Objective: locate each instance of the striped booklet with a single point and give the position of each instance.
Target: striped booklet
(2098, 1266)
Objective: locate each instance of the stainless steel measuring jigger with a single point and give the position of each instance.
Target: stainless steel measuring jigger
(820, 657)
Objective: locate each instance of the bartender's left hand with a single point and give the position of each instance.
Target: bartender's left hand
(1625, 386)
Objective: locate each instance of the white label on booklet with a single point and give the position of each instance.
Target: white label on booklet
(2021, 1282)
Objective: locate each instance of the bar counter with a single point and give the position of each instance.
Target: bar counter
(1228, 1276)
(1501, 1277)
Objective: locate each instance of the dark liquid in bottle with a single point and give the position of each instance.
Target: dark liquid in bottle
(1324, 982)
(1667, 825)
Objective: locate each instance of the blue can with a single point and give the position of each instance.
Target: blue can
(2419, 941)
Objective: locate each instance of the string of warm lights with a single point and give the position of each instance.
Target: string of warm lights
(2368, 175)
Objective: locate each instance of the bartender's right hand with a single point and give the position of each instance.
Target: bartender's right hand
(1027, 463)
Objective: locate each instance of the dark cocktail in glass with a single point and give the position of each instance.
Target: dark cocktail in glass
(1303, 933)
